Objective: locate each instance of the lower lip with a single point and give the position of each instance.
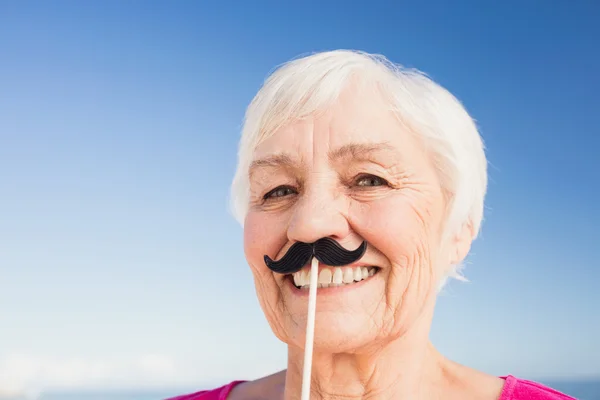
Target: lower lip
(328, 290)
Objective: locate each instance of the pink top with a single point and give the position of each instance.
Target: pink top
(514, 389)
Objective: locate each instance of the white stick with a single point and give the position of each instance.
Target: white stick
(310, 328)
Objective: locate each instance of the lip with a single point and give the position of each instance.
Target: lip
(331, 290)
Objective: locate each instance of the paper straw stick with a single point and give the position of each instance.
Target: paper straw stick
(310, 328)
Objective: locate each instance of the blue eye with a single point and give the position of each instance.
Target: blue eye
(280, 191)
(370, 180)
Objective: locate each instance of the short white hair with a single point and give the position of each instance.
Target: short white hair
(306, 85)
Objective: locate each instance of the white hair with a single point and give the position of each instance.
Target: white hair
(310, 84)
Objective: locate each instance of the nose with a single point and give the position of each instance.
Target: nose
(318, 215)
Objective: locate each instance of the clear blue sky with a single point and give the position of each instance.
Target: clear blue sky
(119, 263)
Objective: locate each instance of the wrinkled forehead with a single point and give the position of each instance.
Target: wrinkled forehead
(360, 117)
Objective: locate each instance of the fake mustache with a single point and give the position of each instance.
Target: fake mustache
(326, 250)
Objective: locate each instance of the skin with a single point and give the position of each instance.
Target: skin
(355, 173)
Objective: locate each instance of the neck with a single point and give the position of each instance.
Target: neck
(402, 369)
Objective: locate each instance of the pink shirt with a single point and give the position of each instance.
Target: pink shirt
(514, 389)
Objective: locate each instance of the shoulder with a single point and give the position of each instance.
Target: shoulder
(521, 389)
(271, 386)
(219, 393)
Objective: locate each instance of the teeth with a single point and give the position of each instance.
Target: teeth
(305, 277)
(348, 276)
(325, 276)
(338, 276)
(335, 277)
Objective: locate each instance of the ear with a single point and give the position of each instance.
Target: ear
(461, 244)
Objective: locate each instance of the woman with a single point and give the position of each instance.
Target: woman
(347, 146)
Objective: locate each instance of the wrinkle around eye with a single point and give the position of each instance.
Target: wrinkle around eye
(394, 175)
(262, 185)
(276, 203)
(370, 193)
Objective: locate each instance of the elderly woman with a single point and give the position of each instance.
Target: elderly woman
(347, 146)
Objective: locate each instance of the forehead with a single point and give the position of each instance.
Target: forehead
(357, 117)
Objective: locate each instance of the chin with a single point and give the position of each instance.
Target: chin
(346, 317)
(336, 332)
(350, 340)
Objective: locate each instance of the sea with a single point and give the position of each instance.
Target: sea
(582, 390)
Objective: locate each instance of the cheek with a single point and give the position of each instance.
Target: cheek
(261, 237)
(396, 227)
(254, 240)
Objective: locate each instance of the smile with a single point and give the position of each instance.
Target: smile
(333, 277)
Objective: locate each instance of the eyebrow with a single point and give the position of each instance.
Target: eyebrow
(359, 151)
(273, 161)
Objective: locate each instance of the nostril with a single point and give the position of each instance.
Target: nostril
(309, 224)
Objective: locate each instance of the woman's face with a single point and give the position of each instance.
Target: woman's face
(352, 174)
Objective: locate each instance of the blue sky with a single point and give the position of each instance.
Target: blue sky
(120, 265)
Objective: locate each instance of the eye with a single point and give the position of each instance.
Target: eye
(280, 191)
(370, 180)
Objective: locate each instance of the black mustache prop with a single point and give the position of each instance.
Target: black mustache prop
(326, 250)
